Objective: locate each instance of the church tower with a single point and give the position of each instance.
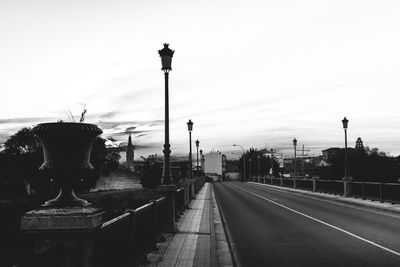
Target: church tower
(130, 154)
(359, 144)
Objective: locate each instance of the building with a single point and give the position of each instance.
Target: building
(328, 154)
(130, 154)
(215, 163)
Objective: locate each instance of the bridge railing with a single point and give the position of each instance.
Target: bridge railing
(335, 187)
(121, 241)
(388, 192)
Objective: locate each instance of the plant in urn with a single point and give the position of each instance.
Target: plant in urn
(66, 149)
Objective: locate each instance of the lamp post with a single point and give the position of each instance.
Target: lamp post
(190, 128)
(244, 162)
(272, 163)
(201, 160)
(166, 55)
(295, 167)
(346, 177)
(259, 169)
(250, 167)
(345, 124)
(197, 146)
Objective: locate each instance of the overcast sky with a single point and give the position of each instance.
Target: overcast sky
(254, 73)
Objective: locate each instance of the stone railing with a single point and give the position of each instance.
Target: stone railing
(122, 241)
(389, 192)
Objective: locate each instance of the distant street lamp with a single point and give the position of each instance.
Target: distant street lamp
(250, 167)
(166, 55)
(244, 163)
(201, 160)
(190, 128)
(272, 163)
(347, 179)
(259, 169)
(345, 124)
(197, 146)
(295, 164)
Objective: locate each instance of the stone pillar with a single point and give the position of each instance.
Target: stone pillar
(70, 229)
(186, 188)
(192, 188)
(314, 185)
(346, 188)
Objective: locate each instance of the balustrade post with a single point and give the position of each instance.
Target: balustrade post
(346, 188)
(363, 190)
(169, 191)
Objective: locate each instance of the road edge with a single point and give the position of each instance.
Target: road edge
(334, 198)
(223, 235)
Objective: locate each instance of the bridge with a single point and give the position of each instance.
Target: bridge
(261, 222)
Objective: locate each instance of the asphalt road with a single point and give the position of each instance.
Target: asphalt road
(270, 227)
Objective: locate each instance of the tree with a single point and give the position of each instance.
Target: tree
(23, 142)
(151, 173)
(252, 157)
(369, 165)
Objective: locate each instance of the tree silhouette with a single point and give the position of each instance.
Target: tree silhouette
(369, 165)
(253, 165)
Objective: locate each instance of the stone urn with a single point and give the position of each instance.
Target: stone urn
(66, 149)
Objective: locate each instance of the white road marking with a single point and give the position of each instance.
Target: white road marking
(324, 223)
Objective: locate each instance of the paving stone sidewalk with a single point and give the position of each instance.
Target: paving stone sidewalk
(196, 242)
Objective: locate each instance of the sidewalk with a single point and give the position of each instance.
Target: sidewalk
(385, 206)
(200, 239)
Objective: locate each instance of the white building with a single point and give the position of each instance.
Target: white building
(213, 163)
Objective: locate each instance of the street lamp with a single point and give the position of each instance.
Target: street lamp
(190, 128)
(346, 164)
(346, 178)
(166, 55)
(259, 169)
(272, 163)
(244, 162)
(250, 167)
(295, 167)
(201, 160)
(197, 146)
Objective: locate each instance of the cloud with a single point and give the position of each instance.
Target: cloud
(28, 120)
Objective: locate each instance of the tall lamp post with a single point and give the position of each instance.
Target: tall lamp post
(295, 160)
(250, 167)
(259, 169)
(272, 163)
(346, 177)
(190, 128)
(166, 55)
(345, 124)
(244, 162)
(197, 146)
(201, 160)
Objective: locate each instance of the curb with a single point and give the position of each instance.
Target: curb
(226, 249)
(394, 209)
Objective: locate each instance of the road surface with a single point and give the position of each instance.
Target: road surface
(270, 227)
